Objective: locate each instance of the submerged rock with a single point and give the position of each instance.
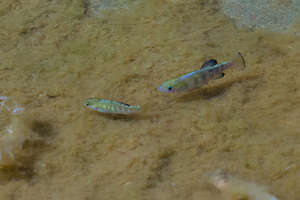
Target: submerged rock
(272, 15)
(12, 139)
(235, 188)
(17, 141)
(98, 8)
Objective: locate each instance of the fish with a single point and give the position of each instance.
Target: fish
(210, 70)
(110, 107)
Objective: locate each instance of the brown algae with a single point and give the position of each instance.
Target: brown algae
(53, 56)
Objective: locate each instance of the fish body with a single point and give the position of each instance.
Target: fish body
(210, 70)
(110, 107)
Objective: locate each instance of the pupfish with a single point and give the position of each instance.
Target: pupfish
(110, 107)
(210, 70)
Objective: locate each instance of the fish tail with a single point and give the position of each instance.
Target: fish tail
(239, 62)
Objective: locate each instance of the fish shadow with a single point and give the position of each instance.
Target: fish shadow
(211, 92)
(43, 129)
(131, 117)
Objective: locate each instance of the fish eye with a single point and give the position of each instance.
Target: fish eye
(169, 88)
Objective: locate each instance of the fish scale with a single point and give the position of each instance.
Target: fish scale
(109, 106)
(210, 70)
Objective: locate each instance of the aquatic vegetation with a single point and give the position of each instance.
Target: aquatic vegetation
(234, 188)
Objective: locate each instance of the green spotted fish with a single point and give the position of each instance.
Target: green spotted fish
(110, 107)
(210, 70)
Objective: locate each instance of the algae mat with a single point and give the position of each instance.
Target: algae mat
(54, 55)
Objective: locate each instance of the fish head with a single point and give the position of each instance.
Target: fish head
(171, 86)
(91, 103)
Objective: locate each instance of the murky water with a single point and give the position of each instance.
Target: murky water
(54, 55)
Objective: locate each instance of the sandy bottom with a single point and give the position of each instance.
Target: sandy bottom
(53, 56)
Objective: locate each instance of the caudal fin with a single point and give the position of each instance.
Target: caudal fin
(239, 62)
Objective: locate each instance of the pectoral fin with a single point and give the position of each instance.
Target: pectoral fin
(221, 75)
(218, 75)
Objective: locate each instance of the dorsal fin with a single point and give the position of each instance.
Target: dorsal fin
(125, 104)
(208, 63)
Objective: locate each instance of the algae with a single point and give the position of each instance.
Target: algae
(53, 56)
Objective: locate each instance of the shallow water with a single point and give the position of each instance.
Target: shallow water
(54, 55)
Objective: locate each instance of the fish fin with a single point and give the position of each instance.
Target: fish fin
(239, 62)
(125, 104)
(219, 75)
(208, 63)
